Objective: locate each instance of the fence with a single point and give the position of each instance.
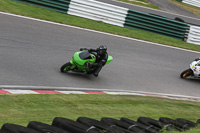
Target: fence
(99, 11)
(116, 15)
(61, 6)
(156, 24)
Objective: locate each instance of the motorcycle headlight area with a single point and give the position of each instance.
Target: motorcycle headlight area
(197, 66)
(196, 71)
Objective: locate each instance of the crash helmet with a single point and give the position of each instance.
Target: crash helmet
(102, 49)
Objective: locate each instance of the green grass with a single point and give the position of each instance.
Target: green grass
(45, 14)
(21, 109)
(144, 3)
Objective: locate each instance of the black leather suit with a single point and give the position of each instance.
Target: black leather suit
(100, 60)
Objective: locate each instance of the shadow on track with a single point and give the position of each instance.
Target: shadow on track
(195, 80)
(80, 75)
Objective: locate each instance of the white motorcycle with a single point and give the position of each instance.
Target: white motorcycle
(193, 71)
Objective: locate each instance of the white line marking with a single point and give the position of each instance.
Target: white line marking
(72, 92)
(111, 91)
(97, 32)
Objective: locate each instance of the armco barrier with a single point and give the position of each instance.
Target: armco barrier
(194, 35)
(116, 15)
(61, 6)
(98, 11)
(105, 125)
(156, 24)
(90, 9)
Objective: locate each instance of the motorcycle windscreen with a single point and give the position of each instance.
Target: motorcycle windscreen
(110, 58)
(85, 55)
(82, 57)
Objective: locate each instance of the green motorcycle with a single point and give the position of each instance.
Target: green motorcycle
(81, 61)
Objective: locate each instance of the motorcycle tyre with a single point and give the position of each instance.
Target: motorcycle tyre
(63, 67)
(186, 73)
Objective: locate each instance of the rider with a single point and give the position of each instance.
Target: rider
(101, 58)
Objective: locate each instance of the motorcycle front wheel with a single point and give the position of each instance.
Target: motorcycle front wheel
(66, 67)
(186, 73)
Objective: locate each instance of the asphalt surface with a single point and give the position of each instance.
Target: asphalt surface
(168, 9)
(32, 53)
(168, 6)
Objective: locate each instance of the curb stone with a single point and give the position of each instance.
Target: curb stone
(36, 91)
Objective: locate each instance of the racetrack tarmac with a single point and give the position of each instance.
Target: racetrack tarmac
(169, 6)
(32, 53)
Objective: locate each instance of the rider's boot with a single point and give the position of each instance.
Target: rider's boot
(95, 74)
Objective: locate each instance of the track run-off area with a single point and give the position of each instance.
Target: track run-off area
(32, 52)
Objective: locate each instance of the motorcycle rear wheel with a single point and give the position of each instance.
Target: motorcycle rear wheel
(186, 73)
(66, 67)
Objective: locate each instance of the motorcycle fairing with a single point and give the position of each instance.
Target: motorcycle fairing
(79, 60)
(195, 66)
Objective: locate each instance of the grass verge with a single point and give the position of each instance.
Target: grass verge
(45, 14)
(21, 109)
